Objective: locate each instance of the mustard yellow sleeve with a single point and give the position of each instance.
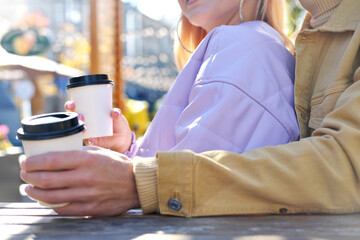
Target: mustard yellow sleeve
(145, 170)
(318, 174)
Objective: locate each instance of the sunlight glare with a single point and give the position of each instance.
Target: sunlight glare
(159, 9)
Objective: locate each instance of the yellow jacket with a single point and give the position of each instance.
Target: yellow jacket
(318, 174)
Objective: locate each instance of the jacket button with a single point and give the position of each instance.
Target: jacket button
(174, 204)
(283, 210)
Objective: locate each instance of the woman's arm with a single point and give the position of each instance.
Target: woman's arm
(242, 99)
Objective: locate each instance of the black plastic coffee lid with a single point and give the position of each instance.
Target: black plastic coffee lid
(86, 80)
(49, 126)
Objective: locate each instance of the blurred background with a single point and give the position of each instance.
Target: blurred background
(44, 43)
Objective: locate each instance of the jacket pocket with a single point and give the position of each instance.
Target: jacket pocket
(321, 106)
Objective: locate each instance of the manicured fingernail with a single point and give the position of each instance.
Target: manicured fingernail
(69, 105)
(81, 117)
(91, 141)
(117, 113)
(27, 188)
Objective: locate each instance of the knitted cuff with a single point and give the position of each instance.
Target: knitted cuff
(133, 148)
(145, 170)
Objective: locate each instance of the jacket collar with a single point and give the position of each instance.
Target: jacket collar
(345, 18)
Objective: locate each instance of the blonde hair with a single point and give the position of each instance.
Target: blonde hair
(190, 36)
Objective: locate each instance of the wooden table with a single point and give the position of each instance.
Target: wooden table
(32, 221)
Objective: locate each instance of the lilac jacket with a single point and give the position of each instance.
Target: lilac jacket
(235, 94)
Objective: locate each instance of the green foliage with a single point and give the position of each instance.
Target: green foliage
(295, 14)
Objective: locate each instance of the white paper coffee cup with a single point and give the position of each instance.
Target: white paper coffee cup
(54, 132)
(92, 95)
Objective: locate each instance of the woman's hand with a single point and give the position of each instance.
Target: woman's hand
(95, 181)
(121, 139)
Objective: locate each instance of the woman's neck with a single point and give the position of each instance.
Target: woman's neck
(320, 10)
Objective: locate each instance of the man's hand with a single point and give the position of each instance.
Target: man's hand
(95, 182)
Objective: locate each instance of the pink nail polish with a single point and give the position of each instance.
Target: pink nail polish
(117, 113)
(81, 118)
(69, 105)
(91, 141)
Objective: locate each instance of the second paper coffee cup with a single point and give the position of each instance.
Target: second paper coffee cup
(92, 95)
(53, 132)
